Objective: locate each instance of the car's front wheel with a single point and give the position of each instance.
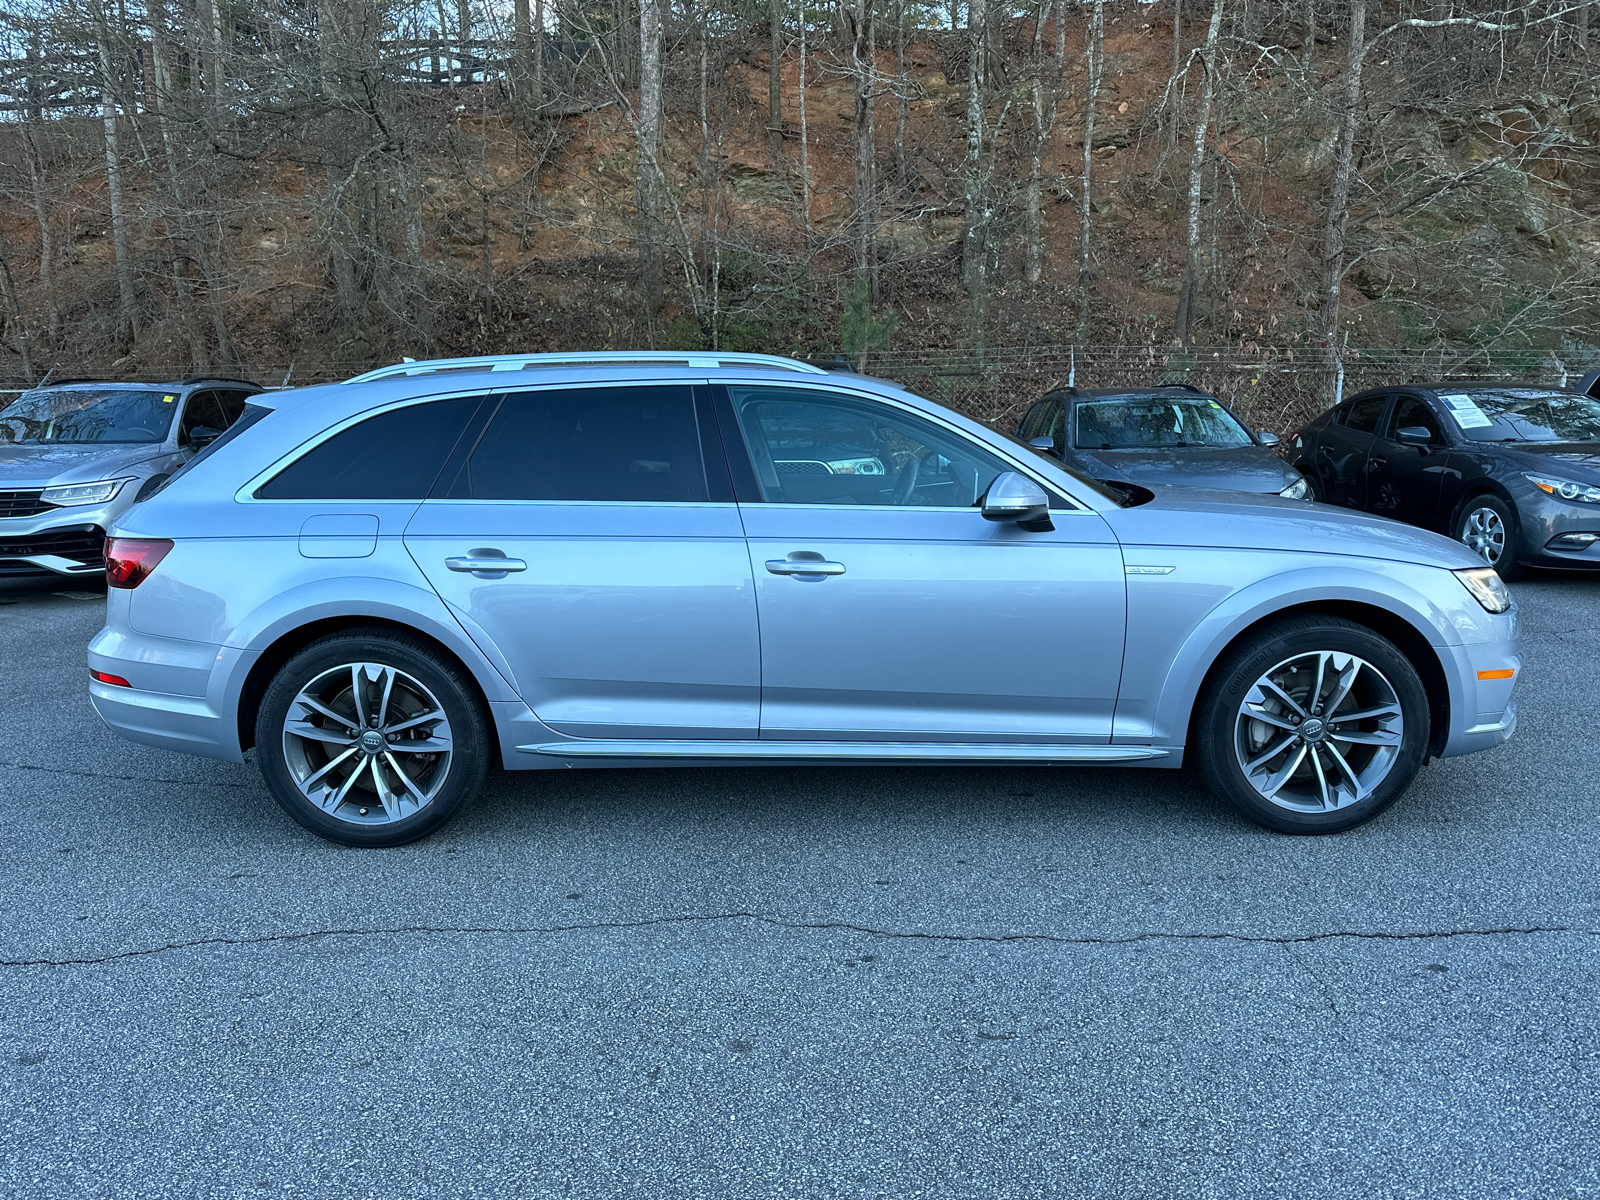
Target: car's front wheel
(371, 738)
(1488, 528)
(1314, 725)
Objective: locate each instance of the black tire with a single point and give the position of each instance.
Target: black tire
(466, 765)
(1218, 727)
(1506, 564)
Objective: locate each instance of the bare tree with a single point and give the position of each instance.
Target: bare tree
(775, 82)
(1338, 213)
(1183, 323)
(1046, 88)
(1095, 53)
(119, 212)
(649, 167)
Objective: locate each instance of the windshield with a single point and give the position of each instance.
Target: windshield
(1127, 424)
(84, 416)
(1513, 414)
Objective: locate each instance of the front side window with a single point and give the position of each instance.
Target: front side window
(1412, 412)
(87, 415)
(202, 412)
(1518, 414)
(395, 455)
(619, 444)
(814, 447)
(1131, 423)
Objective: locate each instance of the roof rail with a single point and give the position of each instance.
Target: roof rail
(217, 379)
(705, 359)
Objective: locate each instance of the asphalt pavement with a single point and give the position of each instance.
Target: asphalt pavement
(820, 982)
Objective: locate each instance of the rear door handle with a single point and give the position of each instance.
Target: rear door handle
(804, 566)
(492, 564)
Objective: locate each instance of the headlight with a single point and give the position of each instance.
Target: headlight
(68, 494)
(1566, 489)
(1300, 489)
(1486, 587)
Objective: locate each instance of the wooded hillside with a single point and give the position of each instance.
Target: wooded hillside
(1294, 189)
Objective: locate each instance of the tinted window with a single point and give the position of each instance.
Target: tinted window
(1362, 415)
(1412, 412)
(232, 404)
(610, 443)
(810, 447)
(203, 411)
(393, 456)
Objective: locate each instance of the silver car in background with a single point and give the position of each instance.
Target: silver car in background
(387, 585)
(75, 454)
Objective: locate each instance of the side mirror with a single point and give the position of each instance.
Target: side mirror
(1413, 435)
(1048, 445)
(201, 436)
(1011, 497)
(1266, 439)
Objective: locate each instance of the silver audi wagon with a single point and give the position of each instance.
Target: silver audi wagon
(386, 586)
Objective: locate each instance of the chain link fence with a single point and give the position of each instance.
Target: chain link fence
(1274, 388)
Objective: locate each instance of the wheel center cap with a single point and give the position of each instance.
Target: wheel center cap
(372, 741)
(1312, 729)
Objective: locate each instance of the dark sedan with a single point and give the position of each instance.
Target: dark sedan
(1514, 472)
(1174, 435)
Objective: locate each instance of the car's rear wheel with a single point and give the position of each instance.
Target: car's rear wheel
(370, 738)
(1488, 528)
(1315, 725)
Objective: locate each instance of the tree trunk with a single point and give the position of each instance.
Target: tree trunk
(1583, 28)
(1333, 264)
(522, 58)
(974, 218)
(1046, 98)
(42, 211)
(14, 309)
(1183, 323)
(119, 215)
(649, 169)
(775, 83)
(805, 150)
(1094, 48)
(902, 97)
(866, 148)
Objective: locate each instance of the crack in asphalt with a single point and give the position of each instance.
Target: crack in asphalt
(18, 766)
(839, 926)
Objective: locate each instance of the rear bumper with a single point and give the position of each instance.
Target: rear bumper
(185, 695)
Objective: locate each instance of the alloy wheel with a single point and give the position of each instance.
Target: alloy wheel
(1319, 731)
(367, 743)
(1484, 533)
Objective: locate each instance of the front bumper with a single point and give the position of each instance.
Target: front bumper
(60, 541)
(1542, 518)
(1483, 712)
(65, 550)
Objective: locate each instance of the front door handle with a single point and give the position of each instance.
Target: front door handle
(804, 562)
(488, 564)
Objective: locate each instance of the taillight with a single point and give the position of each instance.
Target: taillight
(130, 560)
(113, 680)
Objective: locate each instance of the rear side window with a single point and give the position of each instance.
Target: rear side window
(1362, 415)
(598, 443)
(393, 456)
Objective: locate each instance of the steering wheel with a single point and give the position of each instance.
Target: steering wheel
(907, 481)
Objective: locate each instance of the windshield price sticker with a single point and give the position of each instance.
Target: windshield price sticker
(1466, 411)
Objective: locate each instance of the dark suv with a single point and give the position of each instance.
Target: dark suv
(75, 454)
